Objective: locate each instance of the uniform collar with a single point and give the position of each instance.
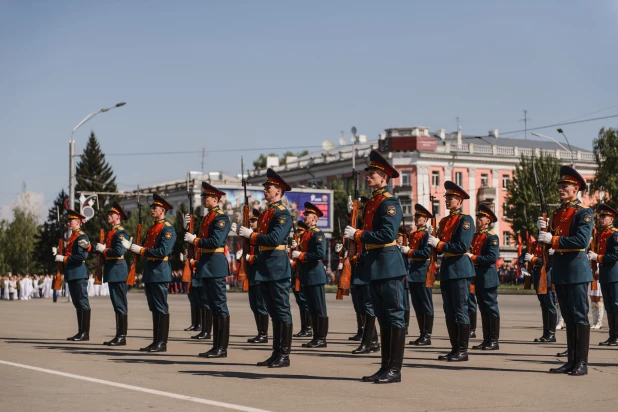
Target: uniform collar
(421, 228)
(160, 221)
(116, 226)
(213, 209)
(486, 230)
(455, 212)
(75, 231)
(312, 227)
(608, 227)
(570, 203)
(275, 204)
(379, 191)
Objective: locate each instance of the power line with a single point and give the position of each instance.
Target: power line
(559, 124)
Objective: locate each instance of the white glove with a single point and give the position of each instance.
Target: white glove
(247, 257)
(528, 257)
(291, 262)
(524, 272)
(469, 255)
(551, 251)
(541, 223)
(59, 258)
(350, 204)
(187, 220)
(182, 257)
(136, 249)
(294, 244)
(404, 249)
(189, 237)
(54, 250)
(295, 254)
(338, 247)
(340, 266)
(348, 232)
(239, 254)
(83, 244)
(433, 241)
(233, 227)
(245, 232)
(126, 243)
(545, 237)
(100, 247)
(592, 256)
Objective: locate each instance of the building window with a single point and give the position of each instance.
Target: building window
(435, 208)
(484, 180)
(435, 178)
(588, 187)
(505, 181)
(406, 208)
(459, 179)
(506, 238)
(405, 178)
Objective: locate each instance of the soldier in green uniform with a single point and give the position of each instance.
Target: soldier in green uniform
(160, 239)
(383, 266)
(273, 266)
(472, 308)
(419, 253)
(570, 232)
(606, 257)
(484, 254)
(115, 271)
(455, 234)
(76, 273)
(313, 274)
(355, 291)
(405, 233)
(212, 267)
(306, 329)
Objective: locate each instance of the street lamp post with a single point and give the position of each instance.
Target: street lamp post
(72, 152)
(558, 143)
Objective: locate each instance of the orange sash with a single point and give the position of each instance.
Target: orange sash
(153, 232)
(477, 243)
(602, 241)
(561, 221)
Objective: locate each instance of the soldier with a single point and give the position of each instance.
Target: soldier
(313, 275)
(160, 239)
(419, 253)
(571, 229)
(196, 311)
(383, 266)
(472, 308)
(546, 300)
(355, 291)
(212, 268)
(306, 329)
(404, 234)
(115, 271)
(485, 251)
(273, 266)
(456, 270)
(76, 273)
(606, 257)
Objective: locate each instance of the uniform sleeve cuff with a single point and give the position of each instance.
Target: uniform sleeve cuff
(195, 241)
(600, 259)
(66, 260)
(253, 238)
(302, 257)
(142, 251)
(474, 258)
(440, 247)
(555, 242)
(358, 235)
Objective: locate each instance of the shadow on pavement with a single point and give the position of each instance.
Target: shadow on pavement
(249, 375)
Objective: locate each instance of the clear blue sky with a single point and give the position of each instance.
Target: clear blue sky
(233, 74)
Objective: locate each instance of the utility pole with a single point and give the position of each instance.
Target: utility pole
(525, 120)
(203, 155)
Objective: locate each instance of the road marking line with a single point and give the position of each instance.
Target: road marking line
(138, 388)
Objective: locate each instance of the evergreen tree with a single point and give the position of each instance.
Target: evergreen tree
(605, 148)
(522, 198)
(4, 264)
(52, 230)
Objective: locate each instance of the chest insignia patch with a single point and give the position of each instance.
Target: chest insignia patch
(390, 210)
(221, 223)
(168, 235)
(466, 225)
(587, 218)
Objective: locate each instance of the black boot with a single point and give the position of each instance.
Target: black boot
(361, 320)
(262, 326)
(319, 333)
(582, 344)
(463, 335)
(544, 315)
(310, 326)
(283, 360)
(368, 344)
(216, 337)
(83, 326)
(425, 339)
(472, 316)
(155, 332)
(303, 325)
(223, 338)
(563, 354)
(121, 331)
(406, 317)
(451, 328)
(117, 331)
(276, 345)
(206, 325)
(420, 320)
(163, 333)
(611, 322)
(552, 320)
(313, 320)
(195, 313)
(494, 333)
(571, 336)
(392, 373)
(485, 323)
(385, 338)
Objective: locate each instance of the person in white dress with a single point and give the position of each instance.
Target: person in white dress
(13, 288)
(91, 285)
(6, 288)
(596, 306)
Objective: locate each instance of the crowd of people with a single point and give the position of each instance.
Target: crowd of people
(25, 287)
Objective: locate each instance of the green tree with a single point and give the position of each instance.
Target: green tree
(522, 198)
(4, 264)
(605, 149)
(51, 231)
(260, 162)
(21, 236)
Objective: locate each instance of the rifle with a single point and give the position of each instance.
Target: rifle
(58, 279)
(593, 263)
(187, 271)
(243, 270)
(542, 289)
(345, 279)
(431, 270)
(296, 269)
(138, 239)
(98, 275)
(527, 279)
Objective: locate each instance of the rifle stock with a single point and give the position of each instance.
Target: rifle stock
(530, 265)
(98, 276)
(58, 279)
(431, 270)
(243, 270)
(593, 263)
(345, 279)
(542, 289)
(186, 270)
(138, 241)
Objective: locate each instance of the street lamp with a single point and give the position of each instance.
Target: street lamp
(72, 151)
(558, 143)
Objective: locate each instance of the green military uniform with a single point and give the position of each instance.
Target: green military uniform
(256, 300)
(608, 273)
(306, 329)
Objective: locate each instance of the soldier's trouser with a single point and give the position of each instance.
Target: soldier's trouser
(276, 295)
(256, 300)
(472, 301)
(548, 300)
(216, 295)
(487, 299)
(406, 299)
(573, 299)
(78, 289)
(610, 297)
(422, 298)
(365, 299)
(357, 298)
(316, 300)
(118, 296)
(192, 295)
(156, 295)
(301, 299)
(455, 298)
(387, 296)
